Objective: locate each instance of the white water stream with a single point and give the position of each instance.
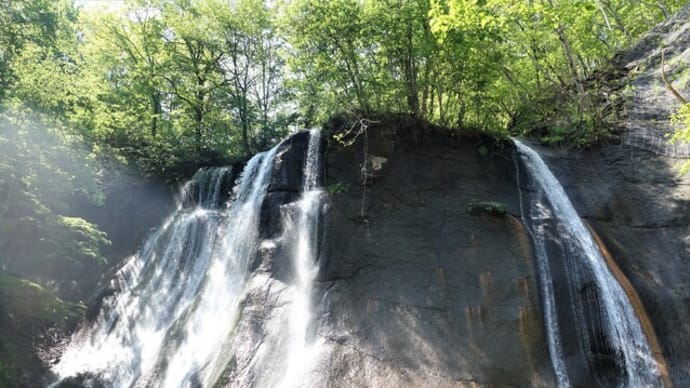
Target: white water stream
(623, 329)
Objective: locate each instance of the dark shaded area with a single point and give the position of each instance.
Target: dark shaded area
(193, 193)
(84, 380)
(133, 207)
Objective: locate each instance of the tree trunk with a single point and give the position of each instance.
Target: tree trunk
(5, 195)
(425, 91)
(245, 138)
(617, 19)
(198, 117)
(567, 51)
(441, 112)
(157, 110)
(411, 73)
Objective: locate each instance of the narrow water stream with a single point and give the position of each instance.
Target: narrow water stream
(594, 334)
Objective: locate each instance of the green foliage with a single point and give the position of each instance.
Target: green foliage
(30, 23)
(492, 208)
(681, 119)
(468, 64)
(29, 301)
(543, 55)
(163, 84)
(27, 309)
(44, 165)
(79, 240)
(337, 188)
(557, 119)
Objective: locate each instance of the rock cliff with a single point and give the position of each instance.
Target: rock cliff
(418, 289)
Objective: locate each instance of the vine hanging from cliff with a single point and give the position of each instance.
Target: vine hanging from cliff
(359, 127)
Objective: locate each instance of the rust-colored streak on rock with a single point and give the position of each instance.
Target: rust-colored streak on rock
(523, 285)
(441, 276)
(636, 303)
(527, 328)
(469, 317)
(521, 236)
(485, 286)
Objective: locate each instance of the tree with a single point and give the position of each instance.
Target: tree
(332, 57)
(44, 165)
(23, 22)
(252, 68)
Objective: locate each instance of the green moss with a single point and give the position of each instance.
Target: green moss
(337, 188)
(492, 208)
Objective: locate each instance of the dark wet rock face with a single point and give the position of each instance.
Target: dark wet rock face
(581, 318)
(639, 206)
(417, 291)
(82, 381)
(211, 197)
(286, 182)
(427, 276)
(287, 174)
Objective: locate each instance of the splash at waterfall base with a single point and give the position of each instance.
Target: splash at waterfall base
(412, 289)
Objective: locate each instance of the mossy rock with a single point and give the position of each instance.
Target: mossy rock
(492, 208)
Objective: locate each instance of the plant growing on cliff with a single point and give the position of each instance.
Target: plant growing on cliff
(337, 188)
(492, 208)
(681, 118)
(347, 137)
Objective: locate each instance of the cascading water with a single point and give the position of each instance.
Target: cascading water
(306, 269)
(591, 304)
(179, 300)
(288, 350)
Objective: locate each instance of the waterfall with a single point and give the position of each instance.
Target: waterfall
(178, 302)
(300, 352)
(592, 306)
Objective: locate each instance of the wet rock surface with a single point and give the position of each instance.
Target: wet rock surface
(416, 291)
(639, 206)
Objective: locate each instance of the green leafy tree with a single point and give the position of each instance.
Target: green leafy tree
(331, 56)
(252, 68)
(39, 23)
(43, 166)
